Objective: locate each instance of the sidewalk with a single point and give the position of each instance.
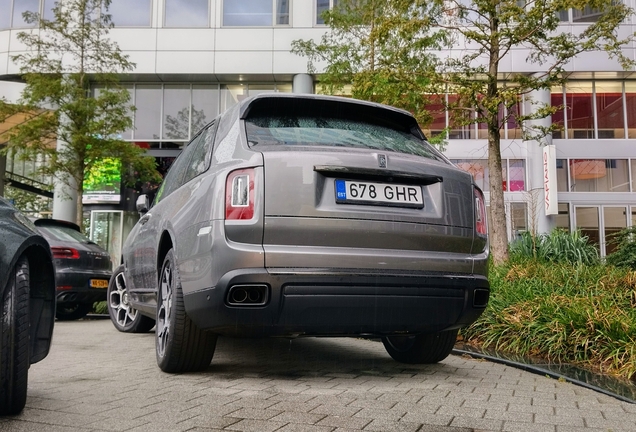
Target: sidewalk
(97, 379)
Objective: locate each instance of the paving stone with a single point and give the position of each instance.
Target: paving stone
(312, 384)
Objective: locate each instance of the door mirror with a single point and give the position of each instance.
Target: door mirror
(143, 203)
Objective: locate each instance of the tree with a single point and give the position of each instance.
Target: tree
(64, 58)
(383, 49)
(484, 33)
(177, 127)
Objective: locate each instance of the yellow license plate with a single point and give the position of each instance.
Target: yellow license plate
(99, 283)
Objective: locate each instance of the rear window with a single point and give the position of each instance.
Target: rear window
(292, 130)
(63, 234)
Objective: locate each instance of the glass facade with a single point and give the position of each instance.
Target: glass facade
(513, 173)
(130, 13)
(187, 13)
(168, 115)
(255, 13)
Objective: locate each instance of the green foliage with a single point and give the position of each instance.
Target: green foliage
(384, 50)
(27, 202)
(100, 308)
(101, 176)
(578, 314)
(559, 246)
(62, 61)
(624, 243)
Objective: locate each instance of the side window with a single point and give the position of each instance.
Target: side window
(201, 153)
(176, 174)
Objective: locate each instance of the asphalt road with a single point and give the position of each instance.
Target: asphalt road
(97, 379)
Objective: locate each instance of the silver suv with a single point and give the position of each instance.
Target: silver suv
(305, 215)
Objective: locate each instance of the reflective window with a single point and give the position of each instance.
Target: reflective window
(322, 6)
(187, 13)
(562, 175)
(556, 100)
(563, 218)
(518, 218)
(599, 175)
(516, 175)
(614, 220)
(587, 221)
(457, 119)
(580, 114)
(176, 112)
(609, 109)
(634, 175)
(48, 9)
(205, 106)
(148, 115)
(5, 16)
(478, 168)
(201, 154)
(435, 107)
(125, 135)
(21, 6)
(231, 95)
(630, 100)
(130, 13)
(255, 89)
(255, 13)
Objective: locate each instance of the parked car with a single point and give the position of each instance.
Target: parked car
(27, 292)
(306, 215)
(82, 268)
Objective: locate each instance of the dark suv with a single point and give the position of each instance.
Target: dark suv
(82, 268)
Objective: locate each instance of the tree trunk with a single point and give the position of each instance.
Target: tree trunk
(497, 225)
(79, 217)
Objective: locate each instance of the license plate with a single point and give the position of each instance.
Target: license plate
(99, 283)
(389, 194)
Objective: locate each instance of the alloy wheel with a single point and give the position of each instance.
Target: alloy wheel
(164, 313)
(124, 312)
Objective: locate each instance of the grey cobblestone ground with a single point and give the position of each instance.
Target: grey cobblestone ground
(97, 379)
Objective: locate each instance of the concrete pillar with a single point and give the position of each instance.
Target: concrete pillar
(303, 83)
(544, 223)
(64, 196)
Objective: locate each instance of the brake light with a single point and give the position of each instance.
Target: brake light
(481, 224)
(239, 195)
(64, 252)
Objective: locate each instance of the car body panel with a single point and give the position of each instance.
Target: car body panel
(397, 269)
(18, 236)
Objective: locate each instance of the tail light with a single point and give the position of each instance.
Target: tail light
(64, 252)
(239, 195)
(481, 224)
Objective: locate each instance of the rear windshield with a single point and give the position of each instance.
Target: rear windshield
(63, 234)
(336, 132)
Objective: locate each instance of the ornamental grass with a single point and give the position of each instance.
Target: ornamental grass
(562, 312)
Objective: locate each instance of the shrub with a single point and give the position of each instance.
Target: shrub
(559, 246)
(578, 314)
(625, 252)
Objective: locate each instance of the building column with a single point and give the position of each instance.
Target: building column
(64, 196)
(303, 83)
(543, 223)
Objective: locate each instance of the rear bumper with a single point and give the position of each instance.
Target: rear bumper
(313, 302)
(77, 286)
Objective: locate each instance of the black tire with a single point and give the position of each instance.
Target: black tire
(14, 340)
(180, 345)
(124, 317)
(72, 311)
(421, 348)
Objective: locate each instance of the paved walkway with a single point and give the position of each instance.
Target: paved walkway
(97, 379)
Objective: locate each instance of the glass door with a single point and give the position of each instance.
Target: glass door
(106, 230)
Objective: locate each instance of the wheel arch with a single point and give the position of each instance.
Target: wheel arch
(165, 244)
(41, 300)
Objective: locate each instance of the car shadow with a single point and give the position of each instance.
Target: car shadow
(311, 356)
